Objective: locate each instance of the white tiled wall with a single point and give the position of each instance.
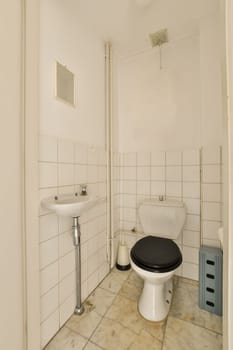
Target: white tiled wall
(64, 165)
(211, 195)
(175, 175)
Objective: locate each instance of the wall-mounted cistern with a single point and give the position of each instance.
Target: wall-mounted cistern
(73, 205)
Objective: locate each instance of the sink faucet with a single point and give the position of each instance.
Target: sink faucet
(83, 190)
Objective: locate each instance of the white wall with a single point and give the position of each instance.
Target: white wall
(72, 151)
(65, 38)
(11, 301)
(159, 109)
(211, 81)
(179, 106)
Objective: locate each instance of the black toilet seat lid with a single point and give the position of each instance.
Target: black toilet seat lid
(156, 254)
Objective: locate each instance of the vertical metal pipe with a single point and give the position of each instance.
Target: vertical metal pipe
(79, 309)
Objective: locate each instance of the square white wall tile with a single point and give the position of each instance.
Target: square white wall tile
(84, 272)
(174, 189)
(210, 229)
(158, 173)
(102, 158)
(48, 149)
(211, 155)
(48, 226)
(92, 264)
(67, 264)
(211, 243)
(158, 158)
(190, 255)
(49, 328)
(65, 151)
(67, 309)
(143, 188)
(130, 159)
(211, 192)
(66, 287)
(173, 173)
(48, 175)
(49, 303)
(128, 201)
(211, 173)
(191, 238)
(66, 189)
(129, 214)
(80, 154)
(84, 290)
(173, 158)
(192, 222)
(158, 188)
(143, 173)
(191, 157)
(48, 252)
(191, 189)
(143, 159)
(92, 282)
(102, 173)
(92, 245)
(193, 206)
(211, 211)
(191, 173)
(65, 174)
(64, 223)
(190, 271)
(84, 250)
(129, 187)
(48, 277)
(65, 243)
(129, 173)
(92, 155)
(80, 173)
(92, 174)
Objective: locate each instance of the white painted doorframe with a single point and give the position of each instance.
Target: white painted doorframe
(30, 121)
(30, 110)
(228, 244)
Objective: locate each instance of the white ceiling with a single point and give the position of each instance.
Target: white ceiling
(127, 23)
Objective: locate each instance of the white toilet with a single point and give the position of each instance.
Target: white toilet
(156, 257)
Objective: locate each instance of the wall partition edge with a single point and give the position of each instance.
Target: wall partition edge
(228, 222)
(109, 150)
(29, 130)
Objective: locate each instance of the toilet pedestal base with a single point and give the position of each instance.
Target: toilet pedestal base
(155, 300)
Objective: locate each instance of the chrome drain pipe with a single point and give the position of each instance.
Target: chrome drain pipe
(79, 309)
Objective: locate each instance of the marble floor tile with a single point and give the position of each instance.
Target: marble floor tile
(111, 320)
(130, 290)
(111, 335)
(84, 324)
(135, 279)
(182, 335)
(91, 346)
(185, 306)
(145, 341)
(125, 311)
(114, 280)
(67, 340)
(100, 300)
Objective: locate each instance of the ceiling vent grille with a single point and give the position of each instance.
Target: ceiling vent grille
(159, 38)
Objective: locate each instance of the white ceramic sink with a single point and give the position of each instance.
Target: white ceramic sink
(69, 204)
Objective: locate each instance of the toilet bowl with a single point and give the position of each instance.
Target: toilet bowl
(156, 257)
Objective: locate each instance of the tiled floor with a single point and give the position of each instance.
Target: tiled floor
(111, 320)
